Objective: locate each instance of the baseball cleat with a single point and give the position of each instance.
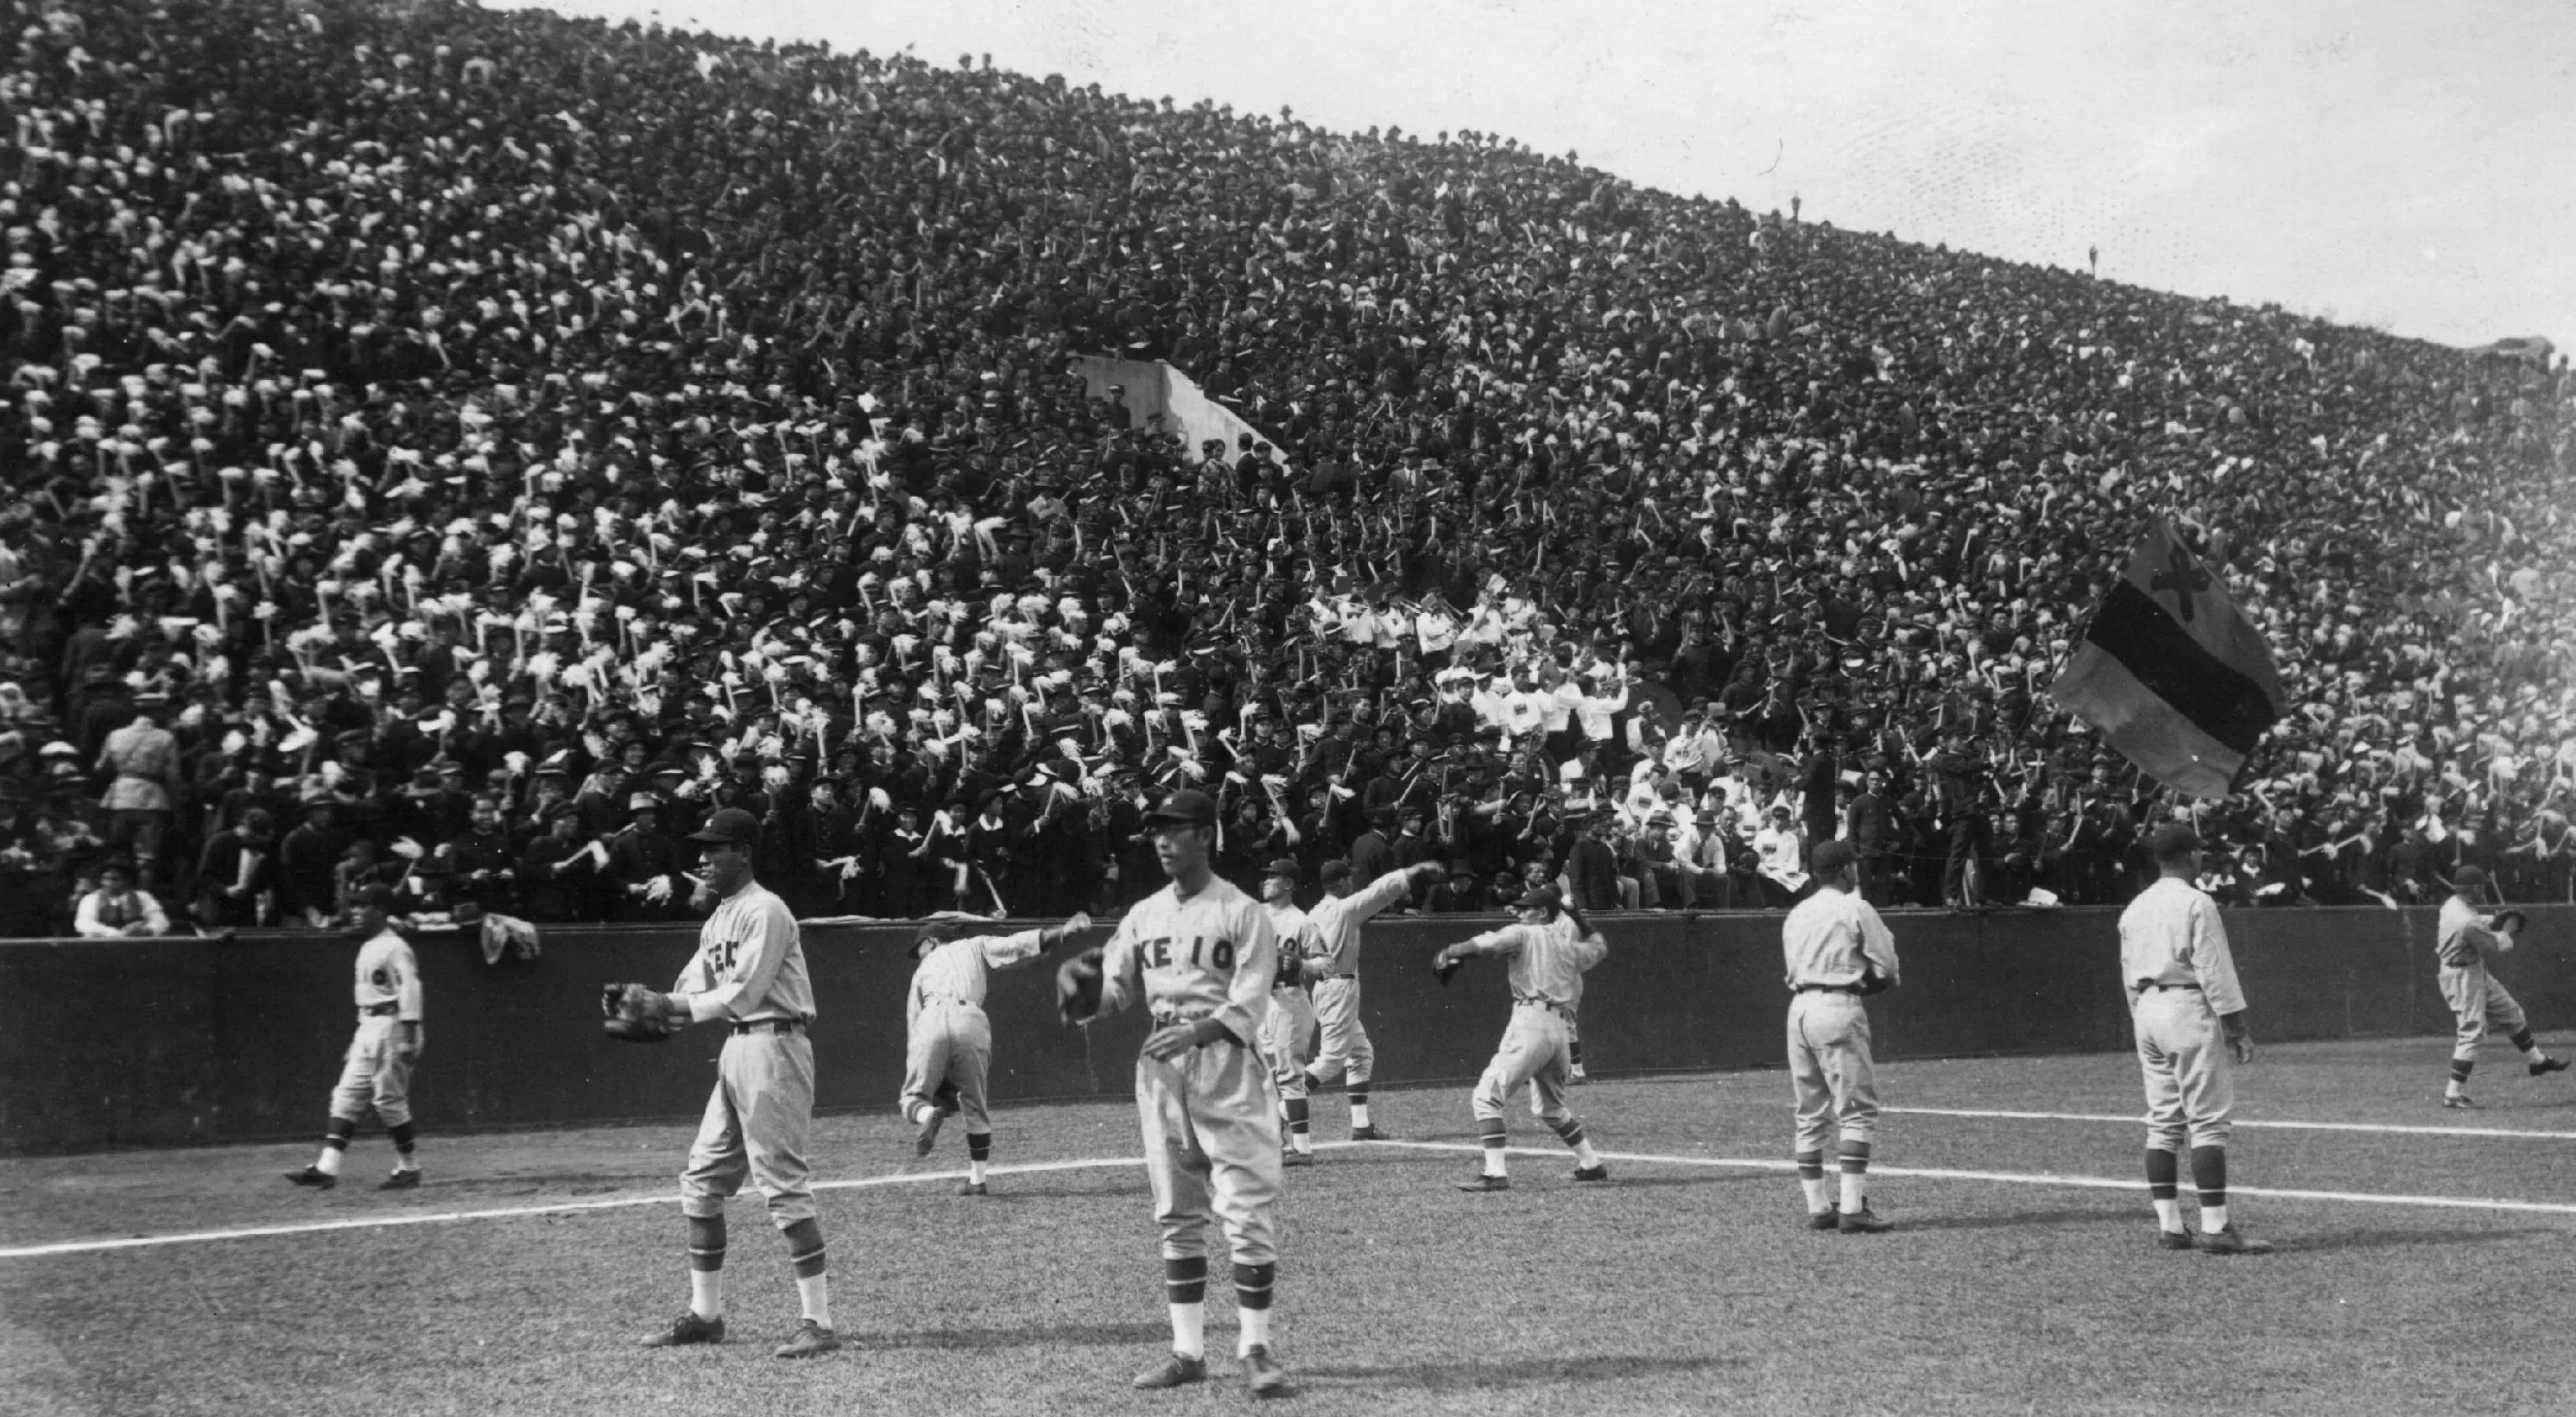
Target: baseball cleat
(1178, 1370)
(974, 1188)
(1371, 1133)
(1290, 1156)
(811, 1340)
(688, 1328)
(1262, 1375)
(2229, 1242)
(1826, 1219)
(946, 1097)
(1592, 1173)
(1863, 1221)
(2461, 1103)
(402, 1180)
(927, 1134)
(2549, 1065)
(315, 1177)
(1486, 1183)
(2174, 1239)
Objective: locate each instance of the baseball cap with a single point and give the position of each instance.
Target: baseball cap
(1332, 871)
(375, 897)
(932, 936)
(1188, 806)
(2173, 841)
(1832, 856)
(1542, 898)
(731, 827)
(1284, 866)
(2469, 876)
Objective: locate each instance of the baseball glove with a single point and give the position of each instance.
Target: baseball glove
(2509, 922)
(1078, 986)
(1445, 967)
(636, 1013)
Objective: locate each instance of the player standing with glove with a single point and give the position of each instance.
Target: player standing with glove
(949, 1043)
(1837, 951)
(1335, 968)
(1200, 954)
(2183, 996)
(377, 1071)
(1288, 1036)
(1550, 948)
(749, 974)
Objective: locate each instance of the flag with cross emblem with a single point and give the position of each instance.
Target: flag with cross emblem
(2172, 673)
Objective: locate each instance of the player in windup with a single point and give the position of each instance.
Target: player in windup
(748, 973)
(1549, 949)
(1837, 952)
(2463, 938)
(1200, 954)
(949, 1041)
(1288, 1037)
(377, 1071)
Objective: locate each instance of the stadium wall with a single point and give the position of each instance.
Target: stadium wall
(107, 1043)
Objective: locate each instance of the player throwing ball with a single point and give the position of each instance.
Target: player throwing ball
(949, 1042)
(2463, 939)
(1288, 1035)
(1838, 952)
(377, 1071)
(1549, 949)
(1334, 964)
(1200, 955)
(749, 975)
(2190, 1020)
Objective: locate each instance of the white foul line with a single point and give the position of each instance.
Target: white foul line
(2010, 1178)
(2017, 1178)
(384, 1222)
(2140, 1120)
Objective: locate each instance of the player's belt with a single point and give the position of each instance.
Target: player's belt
(1166, 1020)
(770, 1025)
(1551, 1005)
(1851, 989)
(928, 997)
(2144, 985)
(1354, 974)
(380, 1010)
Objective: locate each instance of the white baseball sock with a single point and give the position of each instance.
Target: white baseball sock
(1359, 1115)
(1585, 1156)
(1855, 1191)
(2213, 1218)
(706, 1293)
(1819, 1197)
(2169, 1214)
(1255, 1332)
(1189, 1329)
(815, 1295)
(328, 1163)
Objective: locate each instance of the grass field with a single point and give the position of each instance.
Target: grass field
(2424, 1265)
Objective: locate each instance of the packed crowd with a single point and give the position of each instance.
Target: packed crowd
(461, 449)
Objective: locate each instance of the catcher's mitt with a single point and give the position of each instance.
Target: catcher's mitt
(636, 1013)
(2509, 922)
(1077, 987)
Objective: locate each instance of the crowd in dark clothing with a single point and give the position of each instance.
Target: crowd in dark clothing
(461, 449)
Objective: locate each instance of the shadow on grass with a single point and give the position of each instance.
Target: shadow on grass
(2008, 1222)
(2389, 1239)
(1075, 1335)
(1438, 1377)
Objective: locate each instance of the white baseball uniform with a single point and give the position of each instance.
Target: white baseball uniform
(948, 1038)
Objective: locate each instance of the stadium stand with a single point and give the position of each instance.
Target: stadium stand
(462, 448)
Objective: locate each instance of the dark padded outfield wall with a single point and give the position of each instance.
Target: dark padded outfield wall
(172, 1042)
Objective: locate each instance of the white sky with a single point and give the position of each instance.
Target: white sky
(2381, 162)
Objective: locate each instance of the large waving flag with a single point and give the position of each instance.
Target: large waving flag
(2172, 673)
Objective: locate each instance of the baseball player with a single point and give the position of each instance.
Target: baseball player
(2190, 1019)
(1549, 949)
(1837, 952)
(2463, 940)
(1334, 965)
(1200, 954)
(377, 1071)
(950, 1042)
(1288, 1035)
(749, 974)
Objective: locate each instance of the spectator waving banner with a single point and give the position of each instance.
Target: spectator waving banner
(2171, 671)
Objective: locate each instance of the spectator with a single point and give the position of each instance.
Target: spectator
(118, 907)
